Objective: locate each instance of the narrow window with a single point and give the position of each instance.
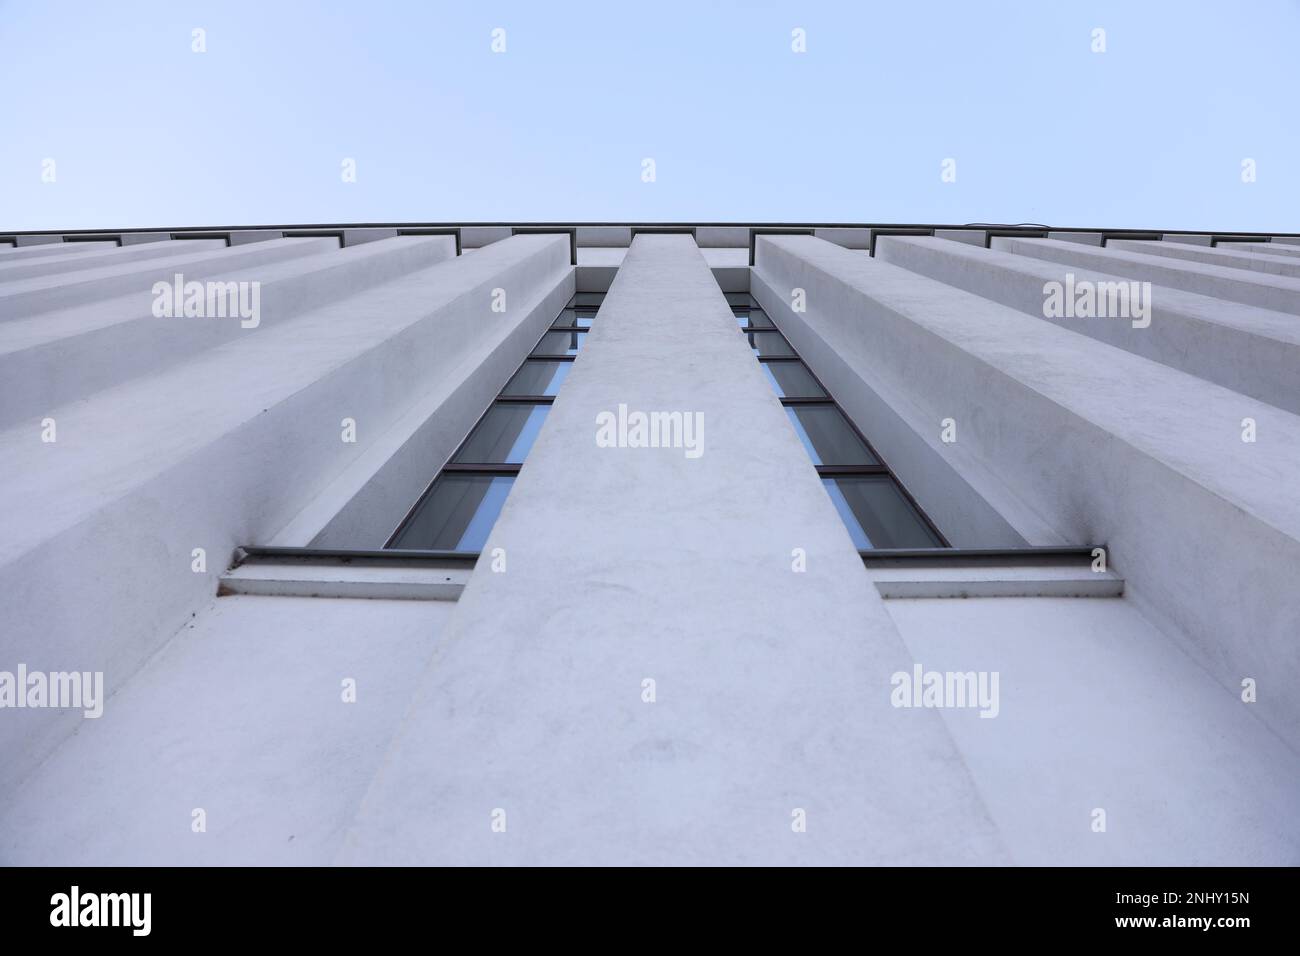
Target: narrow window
(461, 504)
(874, 506)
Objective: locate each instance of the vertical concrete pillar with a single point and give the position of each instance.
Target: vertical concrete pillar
(1070, 436)
(637, 673)
(219, 451)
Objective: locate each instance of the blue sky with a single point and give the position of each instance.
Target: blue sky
(1151, 133)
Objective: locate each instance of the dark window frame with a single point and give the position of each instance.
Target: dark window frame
(838, 471)
(569, 329)
(499, 400)
(490, 469)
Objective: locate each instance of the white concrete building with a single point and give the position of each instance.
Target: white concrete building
(621, 544)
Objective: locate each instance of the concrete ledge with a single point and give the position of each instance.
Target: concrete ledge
(1263, 248)
(1250, 350)
(20, 253)
(1227, 256)
(96, 567)
(55, 358)
(995, 581)
(48, 293)
(1235, 285)
(387, 582)
(103, 257)
(1101, 444)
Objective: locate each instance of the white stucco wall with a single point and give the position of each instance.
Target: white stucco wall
(631, 563)
(772, 686)
(217, 451)
(240, 715)
(1073, 438)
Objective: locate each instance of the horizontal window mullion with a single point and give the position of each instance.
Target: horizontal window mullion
(822, 425)
(482, 468)
(846, 471)
(478, 484)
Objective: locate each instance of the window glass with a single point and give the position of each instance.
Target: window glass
(538, 377)
(877, 514)
(872, 504)
(828, 437)
(769, 343)
(461, 506)
(560, 343)
(503, 435)
(582, 318)
(755, 318)
(456, 514)
(792, 380)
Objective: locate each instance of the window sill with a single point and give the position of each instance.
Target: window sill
(386, 576)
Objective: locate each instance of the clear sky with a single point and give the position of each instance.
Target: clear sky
(1151, 133)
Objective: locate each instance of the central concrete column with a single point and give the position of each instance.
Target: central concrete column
(645, 677)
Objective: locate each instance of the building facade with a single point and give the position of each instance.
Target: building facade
(650, 544)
